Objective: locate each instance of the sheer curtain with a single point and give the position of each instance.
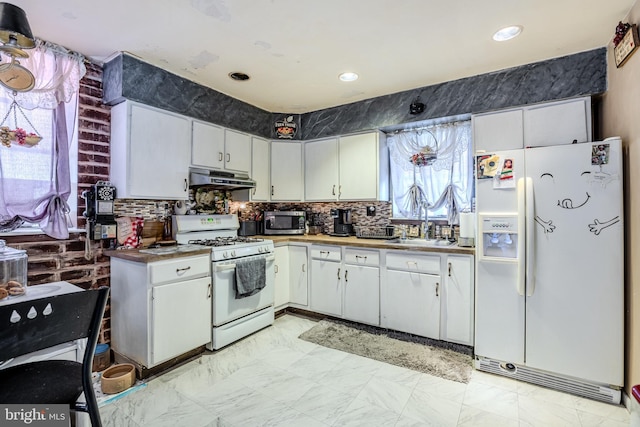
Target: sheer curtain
(446, 186)
(35, 182)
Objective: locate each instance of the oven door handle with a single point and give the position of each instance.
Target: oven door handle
(224, 267)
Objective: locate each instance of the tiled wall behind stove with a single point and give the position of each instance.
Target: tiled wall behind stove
(358, 211)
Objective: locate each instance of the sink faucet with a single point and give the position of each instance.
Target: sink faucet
(426, 220)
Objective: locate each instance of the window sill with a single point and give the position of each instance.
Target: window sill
(32, 231)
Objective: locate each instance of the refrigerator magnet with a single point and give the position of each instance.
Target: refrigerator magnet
(600, 154)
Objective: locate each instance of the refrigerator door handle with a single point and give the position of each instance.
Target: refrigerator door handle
(529, 234)
(521, 191)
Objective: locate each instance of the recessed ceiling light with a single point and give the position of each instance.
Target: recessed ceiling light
(241, 77)
(348, 77)
(507, 33)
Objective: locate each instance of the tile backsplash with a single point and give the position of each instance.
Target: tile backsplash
(155, 209)
(246, 210)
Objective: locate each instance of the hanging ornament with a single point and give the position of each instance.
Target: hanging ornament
(19, 135)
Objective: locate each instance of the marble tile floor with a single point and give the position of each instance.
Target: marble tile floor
(272, 378)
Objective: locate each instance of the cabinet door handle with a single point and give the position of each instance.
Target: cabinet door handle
(339, 190)
(304, 268)
(437, 289)
(209, 291)
(272, 190)
(178, 270)
(449, 269)
(254, 191)
(338, 274)
(186, 185)
(220, 156)
(325, 253)
(228, 157)
(346, 272)
(333, 191)
(412, 262)
(361, 257)
(275, 267)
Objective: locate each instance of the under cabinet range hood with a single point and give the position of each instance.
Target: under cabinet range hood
(219, 179)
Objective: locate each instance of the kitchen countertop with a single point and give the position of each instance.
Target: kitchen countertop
(365, 243)
(159, 254)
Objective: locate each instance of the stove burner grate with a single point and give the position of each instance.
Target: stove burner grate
(224, 241)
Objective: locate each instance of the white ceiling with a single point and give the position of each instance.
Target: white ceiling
(294, 49)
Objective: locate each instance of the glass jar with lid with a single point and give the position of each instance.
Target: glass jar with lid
(13, 271)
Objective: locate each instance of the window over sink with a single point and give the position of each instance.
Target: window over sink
(431, 166)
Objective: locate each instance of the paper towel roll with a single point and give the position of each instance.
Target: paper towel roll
(467, 224)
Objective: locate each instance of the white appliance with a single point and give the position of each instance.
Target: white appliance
(550, 267)
(233, 318)
(73, 350)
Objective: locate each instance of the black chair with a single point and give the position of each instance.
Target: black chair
(33, 325)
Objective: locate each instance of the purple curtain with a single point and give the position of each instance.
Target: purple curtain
(47, 205)
(35, 182)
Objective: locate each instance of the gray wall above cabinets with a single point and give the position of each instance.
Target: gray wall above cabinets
(570, 76)
(127, 77)
(581, 74)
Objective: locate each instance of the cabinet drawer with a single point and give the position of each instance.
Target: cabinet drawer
(414, 262)
(362, 257)
(179, 269)
(327, 253)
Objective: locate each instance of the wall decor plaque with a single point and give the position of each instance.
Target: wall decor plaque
(627, 46)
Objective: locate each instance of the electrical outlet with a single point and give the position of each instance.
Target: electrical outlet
(371, 210)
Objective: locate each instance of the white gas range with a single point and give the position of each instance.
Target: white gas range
(234, 317)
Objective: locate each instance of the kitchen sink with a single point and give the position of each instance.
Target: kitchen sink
(433, 243)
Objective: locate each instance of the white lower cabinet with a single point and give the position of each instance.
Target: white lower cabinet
(412, 303)
(362, 286)
(326, 280)
(178, 331)
(458, 296)
(412, 293)
(282, 279)
(298, 275)
(160, 310)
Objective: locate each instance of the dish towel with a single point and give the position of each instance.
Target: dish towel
(250, 277)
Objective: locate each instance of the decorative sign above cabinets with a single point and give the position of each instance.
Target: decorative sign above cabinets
(286, 128)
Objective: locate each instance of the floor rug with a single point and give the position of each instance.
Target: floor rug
(378, 345)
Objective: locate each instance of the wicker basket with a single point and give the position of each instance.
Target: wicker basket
(371, 232)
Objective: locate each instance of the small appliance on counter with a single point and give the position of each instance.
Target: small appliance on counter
(248, 228)
(342, 225)
(315, 223)
(284, 222)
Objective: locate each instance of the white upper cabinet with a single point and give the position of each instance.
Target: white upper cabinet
(237, 151)
(558, 123)
(260, 169)
(551, 123)
(363, 167)
(214, 147)
(321, 170)
(498, 131)
(150, 152)
(207, 145)
(286, 171)
(353, 167)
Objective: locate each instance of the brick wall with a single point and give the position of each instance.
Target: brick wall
(52, 260)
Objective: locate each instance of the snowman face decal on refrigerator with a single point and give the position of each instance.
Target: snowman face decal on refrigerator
(572, 181)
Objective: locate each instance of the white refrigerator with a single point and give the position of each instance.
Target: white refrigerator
(550, 266)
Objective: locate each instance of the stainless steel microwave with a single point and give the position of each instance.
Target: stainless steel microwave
(284, 222)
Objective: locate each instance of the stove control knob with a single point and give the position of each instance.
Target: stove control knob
(225, 254)
(233, 253)
(259, 250)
